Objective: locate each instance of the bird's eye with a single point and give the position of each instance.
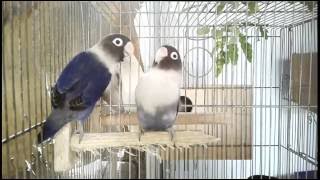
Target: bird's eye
(174, 55)
(118, 42)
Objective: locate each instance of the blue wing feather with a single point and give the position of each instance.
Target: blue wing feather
(84, 76)
(73, 72)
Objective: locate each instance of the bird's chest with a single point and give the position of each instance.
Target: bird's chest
(163, 117)
(157, 93)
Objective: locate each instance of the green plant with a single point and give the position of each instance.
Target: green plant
(226, 43)
(227, 38)
(309, 4)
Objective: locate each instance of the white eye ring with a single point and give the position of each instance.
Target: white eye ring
(174, 55)
(118, 42)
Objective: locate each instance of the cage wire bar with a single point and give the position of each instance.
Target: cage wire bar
(268, 106)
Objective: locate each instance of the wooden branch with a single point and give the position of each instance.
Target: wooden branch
(182, 118)
(93, 141)
(210, 153)
(63, 156)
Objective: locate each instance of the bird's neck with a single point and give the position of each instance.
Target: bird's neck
(168, 73)
(104, 57)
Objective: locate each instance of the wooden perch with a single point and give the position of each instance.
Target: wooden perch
(182, 118)
(93, 141)
(63, 156)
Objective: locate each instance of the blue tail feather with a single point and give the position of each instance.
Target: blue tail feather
(50, 127)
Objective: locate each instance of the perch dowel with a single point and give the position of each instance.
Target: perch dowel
(63, 156)
(182, 118)
(93, 141)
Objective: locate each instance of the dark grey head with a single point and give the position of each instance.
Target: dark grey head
(117, 45)
(168, 58)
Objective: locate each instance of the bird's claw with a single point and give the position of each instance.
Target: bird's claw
(171, 133)
(80, 132)
(80, 137)
(141, 132)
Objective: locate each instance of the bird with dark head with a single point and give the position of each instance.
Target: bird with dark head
(185, 104)
(117, 46)
(122, 84)
(158, 92)
(171, 61)
(82, 82)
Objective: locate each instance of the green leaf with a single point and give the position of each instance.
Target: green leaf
(233, 40)
(309, 4)
(222, 57)
(247, 24)
(244, 2)
(263, 32)
(219, 67)
(237, 31)
(246, 47)
(232, 55)
(230, 28)
(220, 61)
(203, 30)
(213, 32)
(219, 44)
(253, 7)
(224, 39)
(235, 5)
(220, 7)
(218, 70)
(219, 34)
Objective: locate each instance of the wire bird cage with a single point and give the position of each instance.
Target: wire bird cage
(249, 68)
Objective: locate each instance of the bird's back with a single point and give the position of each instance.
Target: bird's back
(86, 70)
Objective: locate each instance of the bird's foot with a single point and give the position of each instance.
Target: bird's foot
(171, 133)
(80, 131)
(108, 112)
(141, 132)
(125, 112)
(77, 131)
(80, 136)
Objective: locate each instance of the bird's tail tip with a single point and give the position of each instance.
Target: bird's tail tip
(39, 138)
(44, 134)
(185, 104)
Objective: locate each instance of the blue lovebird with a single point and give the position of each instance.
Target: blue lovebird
(82, 83)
